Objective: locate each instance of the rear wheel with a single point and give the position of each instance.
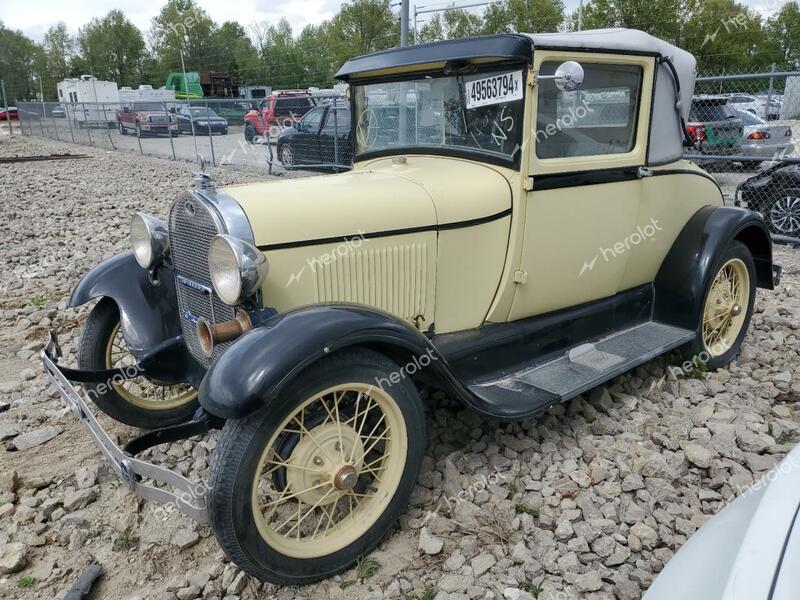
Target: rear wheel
(136, 402)
(286, 155)
(249, 133)
(121, 127)
(303, 488)
(782, 214)
(727, 309)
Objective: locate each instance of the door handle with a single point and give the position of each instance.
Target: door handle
(644, 172)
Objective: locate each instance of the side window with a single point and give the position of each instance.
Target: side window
(313, 119)
(338, 118)
(598, 118)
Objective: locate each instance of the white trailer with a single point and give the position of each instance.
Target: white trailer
(89, 101)
(146, 93)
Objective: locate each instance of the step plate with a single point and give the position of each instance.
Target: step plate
(596, 363)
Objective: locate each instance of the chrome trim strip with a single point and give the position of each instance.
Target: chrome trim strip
(191, 499)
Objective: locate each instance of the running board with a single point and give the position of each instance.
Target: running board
(532, 390)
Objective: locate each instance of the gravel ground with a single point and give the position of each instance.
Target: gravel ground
(589, 501)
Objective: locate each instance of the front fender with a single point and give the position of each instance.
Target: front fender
(148, 313)
(687, 269)
(255, 369)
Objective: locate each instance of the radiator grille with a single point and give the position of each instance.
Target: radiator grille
(393, 279)
(191, 227)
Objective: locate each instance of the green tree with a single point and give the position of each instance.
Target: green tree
(661, 18)
(232, 50)
(19, 59)
(453, 23)
(111, 48)
(183, 26)
(59, 47)
(783, 31)
(313, 45)
(523, 16)
(363, 26)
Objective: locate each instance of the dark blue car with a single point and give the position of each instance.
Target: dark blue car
(321, 140)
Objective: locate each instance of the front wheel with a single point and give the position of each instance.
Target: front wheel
(303, 488)
(136, 402)
(782, 214)
(287, 156)
(727, 309)
(249, 133)
(121, 127)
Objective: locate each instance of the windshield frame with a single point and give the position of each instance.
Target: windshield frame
(463, 152)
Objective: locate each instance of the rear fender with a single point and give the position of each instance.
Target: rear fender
(687, 269)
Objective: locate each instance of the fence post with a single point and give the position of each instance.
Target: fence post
(335, 132)
(55, 126)
(770, 91)
(137, 131)
(210, 137)
(169, 129)
(5, 106)
(69, 120)
(107, 128)
(86, 124)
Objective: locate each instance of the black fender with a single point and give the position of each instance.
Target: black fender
(688, 267)
(148, 311)
(257, 367)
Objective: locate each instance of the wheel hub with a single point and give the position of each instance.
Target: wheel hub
(331, 455)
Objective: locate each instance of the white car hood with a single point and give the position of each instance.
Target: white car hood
(736, 554)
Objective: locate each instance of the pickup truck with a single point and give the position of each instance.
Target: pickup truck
(145, 118)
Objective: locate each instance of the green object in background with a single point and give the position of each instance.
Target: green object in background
(185, 89)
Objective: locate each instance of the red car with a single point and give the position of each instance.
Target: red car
(143, 118)
(13, 114)
(275, 113)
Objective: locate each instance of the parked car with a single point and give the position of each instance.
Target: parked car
(58, 112)
(772, 105)
(143, 118)
(775, 194)
(714, 127)
(762, 140)
(321, 140)
(275, 113)
(202, 119)
(747, 103)
(748, 550)
(10, 114)
(487, 246)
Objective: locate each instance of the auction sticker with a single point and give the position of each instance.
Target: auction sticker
(496, 89)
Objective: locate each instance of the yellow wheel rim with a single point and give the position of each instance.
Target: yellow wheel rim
(726, 307)
(330, 470)
(140, 391)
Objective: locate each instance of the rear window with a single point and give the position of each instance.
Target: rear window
(702, 112)
(295, 106)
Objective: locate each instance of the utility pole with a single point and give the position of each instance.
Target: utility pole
(191, 118)
(580, 15)
(5, 106)
(404, 23)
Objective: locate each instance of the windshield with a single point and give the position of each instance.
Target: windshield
(149, 106)
(473, 113)
(201, 112)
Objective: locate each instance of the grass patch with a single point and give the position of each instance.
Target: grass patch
(533, 589)
(521, 509)
(124, 541)
(426, 595)
(26, 582)
(37, 301)
(366, 567)
(512, 490)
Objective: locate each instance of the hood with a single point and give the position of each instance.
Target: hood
(383, 196)
(736, 554)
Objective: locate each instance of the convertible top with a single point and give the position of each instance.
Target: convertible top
(666, 137)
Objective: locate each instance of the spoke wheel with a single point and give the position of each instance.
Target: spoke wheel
(301, 489)
(784, 214)
(140, 391)
(138, 402)
(726, 307)
(339, 475)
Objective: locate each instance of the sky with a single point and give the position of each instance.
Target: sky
(34, 17)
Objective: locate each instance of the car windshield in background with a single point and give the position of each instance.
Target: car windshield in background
(702, 112)
(202, 112)
(148, 106)
(473, 113)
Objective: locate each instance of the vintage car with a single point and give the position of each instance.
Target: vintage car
(518, 228)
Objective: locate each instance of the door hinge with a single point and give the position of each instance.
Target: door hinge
(520, 277)
(528, 185)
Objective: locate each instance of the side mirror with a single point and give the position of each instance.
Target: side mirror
(568, 78)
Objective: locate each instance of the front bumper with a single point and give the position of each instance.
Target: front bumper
(188, 497)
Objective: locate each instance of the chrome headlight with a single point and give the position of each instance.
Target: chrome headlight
(149, 239)
(237, 268)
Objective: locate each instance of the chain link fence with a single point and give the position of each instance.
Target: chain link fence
(285, 131)
(744, 129)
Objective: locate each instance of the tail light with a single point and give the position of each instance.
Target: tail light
(696, 132)
(759, 135)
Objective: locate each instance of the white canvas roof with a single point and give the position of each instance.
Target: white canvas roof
(666, 135)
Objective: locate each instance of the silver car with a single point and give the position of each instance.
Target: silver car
(763, 140)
